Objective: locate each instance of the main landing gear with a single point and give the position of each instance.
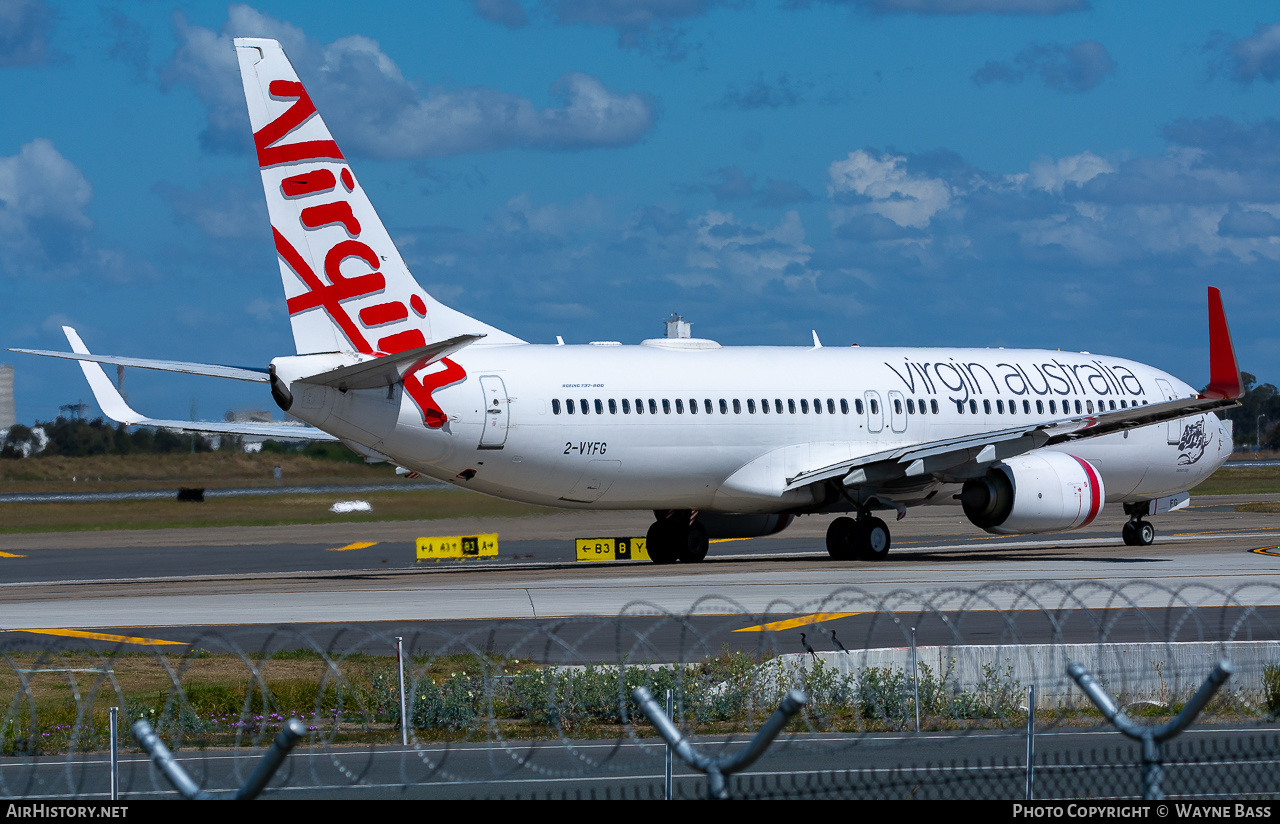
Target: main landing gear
(1138, 532)
(677, 536)
(866, 539)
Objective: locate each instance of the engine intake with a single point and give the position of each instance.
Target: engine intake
(1036, 492)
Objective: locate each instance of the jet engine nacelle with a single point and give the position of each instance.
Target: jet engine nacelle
(722, 525)
(1036, 492)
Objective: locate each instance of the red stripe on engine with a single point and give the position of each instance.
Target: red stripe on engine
(1095, 494)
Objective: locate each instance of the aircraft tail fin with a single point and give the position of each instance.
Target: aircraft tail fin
(345, 283)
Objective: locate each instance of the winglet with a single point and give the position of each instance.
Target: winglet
(108, 397)
(1224, 369)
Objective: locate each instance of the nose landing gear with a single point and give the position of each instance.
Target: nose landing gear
(866, 539)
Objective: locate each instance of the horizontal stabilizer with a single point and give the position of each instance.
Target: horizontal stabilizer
(391, 369)
(115, 407)
(212, 370)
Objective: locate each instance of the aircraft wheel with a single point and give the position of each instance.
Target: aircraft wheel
(662, 542)
(693, 544)
(1138, 533)
(840, 539)
(874, 539)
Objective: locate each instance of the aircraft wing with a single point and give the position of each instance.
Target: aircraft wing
(115, 407)
(948, 458)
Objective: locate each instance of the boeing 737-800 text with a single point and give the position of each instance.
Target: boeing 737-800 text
(718, 441)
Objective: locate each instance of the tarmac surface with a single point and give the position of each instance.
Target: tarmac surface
(323, 583)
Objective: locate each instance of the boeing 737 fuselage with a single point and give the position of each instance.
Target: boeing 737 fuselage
(718, 441)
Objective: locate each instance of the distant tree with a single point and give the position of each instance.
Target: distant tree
(1259, 399)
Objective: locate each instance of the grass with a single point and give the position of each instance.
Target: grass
(426, 504)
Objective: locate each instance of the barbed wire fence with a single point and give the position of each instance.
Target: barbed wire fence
(548, 708)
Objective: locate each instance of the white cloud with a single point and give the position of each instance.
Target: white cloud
(42, 220)
(884, 187)
(728, 252)
(1051, 175)
(373, 110)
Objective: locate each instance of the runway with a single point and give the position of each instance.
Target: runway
(179, 584)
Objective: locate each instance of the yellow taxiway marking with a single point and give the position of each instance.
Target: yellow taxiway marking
(10, 555)
(803, 620)
(1267, 550)
(102, 636)
(364, 545)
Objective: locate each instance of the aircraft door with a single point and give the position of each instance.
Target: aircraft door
(497, 412)
(1174, 427)
(875, 413)
(897, 412)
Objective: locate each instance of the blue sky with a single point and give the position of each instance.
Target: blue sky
(1039, 173)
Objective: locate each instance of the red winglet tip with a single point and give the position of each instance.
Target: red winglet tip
(1224, 369)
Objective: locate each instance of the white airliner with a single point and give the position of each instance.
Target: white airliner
(718, 441)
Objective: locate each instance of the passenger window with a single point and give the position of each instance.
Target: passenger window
(693, 406)
(920, 405)
(804, 406)
(555, 406)
(764, 405)
(857, 405)
(1000, 407)
(960, 407)
(751, 406)
(875, 407)
(1026, 407)
(653, 407)
(933, 406)
(586, 408)
(1080, 409)
(1039, 407)
(791, 406)
(626, 406)
(973, 406)
(831, 406)
(897, 406)
(613, 407)
(911, 406)
(817, 406)
(679, 407)
(724, 407)
(1111, 404)
(1013, 407)
(1122, 405)
(666, 406)
(599, 407)
(777, 405)
(737, 407)
(1089, 406)
(844, 406)
(569, 404)
(639, 406)
(1053, 407)
(986, 406)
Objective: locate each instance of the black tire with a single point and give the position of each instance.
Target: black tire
(840, 539)
(874, 539)
(693, 544)
(1130, 534)
(1146, 533)
(660, 541)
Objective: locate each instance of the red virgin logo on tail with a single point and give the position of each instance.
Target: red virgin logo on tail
(323, 184)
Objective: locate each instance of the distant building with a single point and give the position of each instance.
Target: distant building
(8, 412)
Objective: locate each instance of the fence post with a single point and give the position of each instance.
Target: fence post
(115, 755)
(404, 720)
(915, 678)
(666, 785)
(1151, 738)
(1031, 741)
(716, 769)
